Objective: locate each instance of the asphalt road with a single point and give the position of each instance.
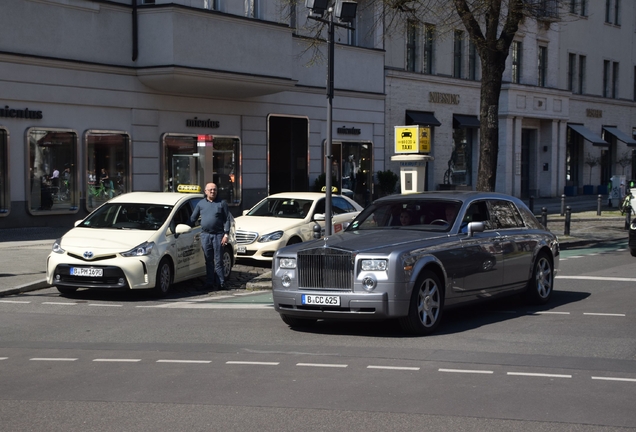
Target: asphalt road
(105, 362)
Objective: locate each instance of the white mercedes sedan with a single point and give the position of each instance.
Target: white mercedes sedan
(287, 218)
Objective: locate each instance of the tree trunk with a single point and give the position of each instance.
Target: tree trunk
(493, 65)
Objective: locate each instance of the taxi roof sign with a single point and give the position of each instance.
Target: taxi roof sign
(334, 189)
(184, 188)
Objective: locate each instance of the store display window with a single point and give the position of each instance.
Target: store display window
(107, 166)
(52, 171)
(198, 159)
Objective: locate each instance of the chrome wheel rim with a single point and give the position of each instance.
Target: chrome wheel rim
(428, 304)
(164, 278)
(544, 278)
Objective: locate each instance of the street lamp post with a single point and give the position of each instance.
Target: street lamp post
(345, 11)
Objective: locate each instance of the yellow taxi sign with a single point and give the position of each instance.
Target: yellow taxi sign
(333, 189)
(189, 188)
(412, 139)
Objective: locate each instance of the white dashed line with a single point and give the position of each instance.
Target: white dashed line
(325, 365)
(253, 363)
(60, 303)
(614, 379)
(549, 313)
(14, 301)
(604, 314)
(469, 371)
(3, 358)
(118, 360)
(394, 368)
(105, 305)
(538, 375)
(184, 361)
(52, 359)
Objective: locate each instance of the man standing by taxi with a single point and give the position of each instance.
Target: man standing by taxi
(215, 232)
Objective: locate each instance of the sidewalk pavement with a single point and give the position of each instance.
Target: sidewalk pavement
(23, 251)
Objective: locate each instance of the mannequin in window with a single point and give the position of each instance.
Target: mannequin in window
(349, 170)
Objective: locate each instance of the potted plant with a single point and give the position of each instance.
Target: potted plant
(590, 161)
(387, 181)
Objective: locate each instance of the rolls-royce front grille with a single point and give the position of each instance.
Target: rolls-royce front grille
(245, 237)
(325, 269)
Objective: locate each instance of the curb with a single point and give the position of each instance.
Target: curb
(32, 286)
(260, 283)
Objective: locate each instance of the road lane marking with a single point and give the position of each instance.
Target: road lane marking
(14, 301)
(394, 367)
(614, 379)
(598, 278)
(60, 303)
(52, 359)
(184, 361)
(117, 360)
(549, 313)
(604, 314)
(3, 358)
(466, 371)
(235, 362)
(325, 365)
(105, 305)
(538, 375)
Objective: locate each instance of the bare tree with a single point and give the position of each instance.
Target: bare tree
(592, 161)
(625, 160)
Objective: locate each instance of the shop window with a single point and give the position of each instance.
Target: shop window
(52, 159)
(459, 170)
(107, 166)
(198, 159)
(352, 170)
(4, 173)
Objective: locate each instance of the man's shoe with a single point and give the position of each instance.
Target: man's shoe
(223, 287)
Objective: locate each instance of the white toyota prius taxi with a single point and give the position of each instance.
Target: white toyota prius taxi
(139, 240)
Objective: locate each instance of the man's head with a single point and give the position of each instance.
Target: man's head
(210, 191)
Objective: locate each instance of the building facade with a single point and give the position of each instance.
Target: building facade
(101, 97)
(567, 111)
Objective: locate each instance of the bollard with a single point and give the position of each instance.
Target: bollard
(317, 231)
(544, 217)
(531, 204)
(562, 204)
(598, 205)
(568, 217)
(628, 216)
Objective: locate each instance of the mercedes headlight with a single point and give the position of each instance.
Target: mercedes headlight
(142, 250)
(273, 236)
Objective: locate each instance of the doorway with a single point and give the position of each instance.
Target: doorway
(288, 139)
(527, 141)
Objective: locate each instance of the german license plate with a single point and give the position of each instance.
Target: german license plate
(320, 300)
(241, 249)
(87, 271)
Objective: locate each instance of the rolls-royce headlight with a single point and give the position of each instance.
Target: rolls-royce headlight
(287, 263)
(286, 280)
(633, 225)
(143, 249)
(374, 265)
(273, 236)
(57, 246)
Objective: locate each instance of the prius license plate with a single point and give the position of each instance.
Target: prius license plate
(320, 300)
(87, 271)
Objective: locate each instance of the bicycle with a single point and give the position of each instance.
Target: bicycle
(626, 204)
(100, 192)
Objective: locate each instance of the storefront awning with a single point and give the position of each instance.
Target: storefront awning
(421, 118)
(588, 135)
(465, 121)
(620, 135)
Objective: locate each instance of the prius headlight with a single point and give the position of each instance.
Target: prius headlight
(374, 265)
(57, 246)
(143, 249)
(273, 236)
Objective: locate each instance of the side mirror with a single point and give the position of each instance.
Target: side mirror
(319, 217)
(474, 227)
(182, 229)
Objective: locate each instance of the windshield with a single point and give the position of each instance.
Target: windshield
(128, 216)
(424, 215)
(282, 208)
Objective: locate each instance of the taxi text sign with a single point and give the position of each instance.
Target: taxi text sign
(412, 139)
